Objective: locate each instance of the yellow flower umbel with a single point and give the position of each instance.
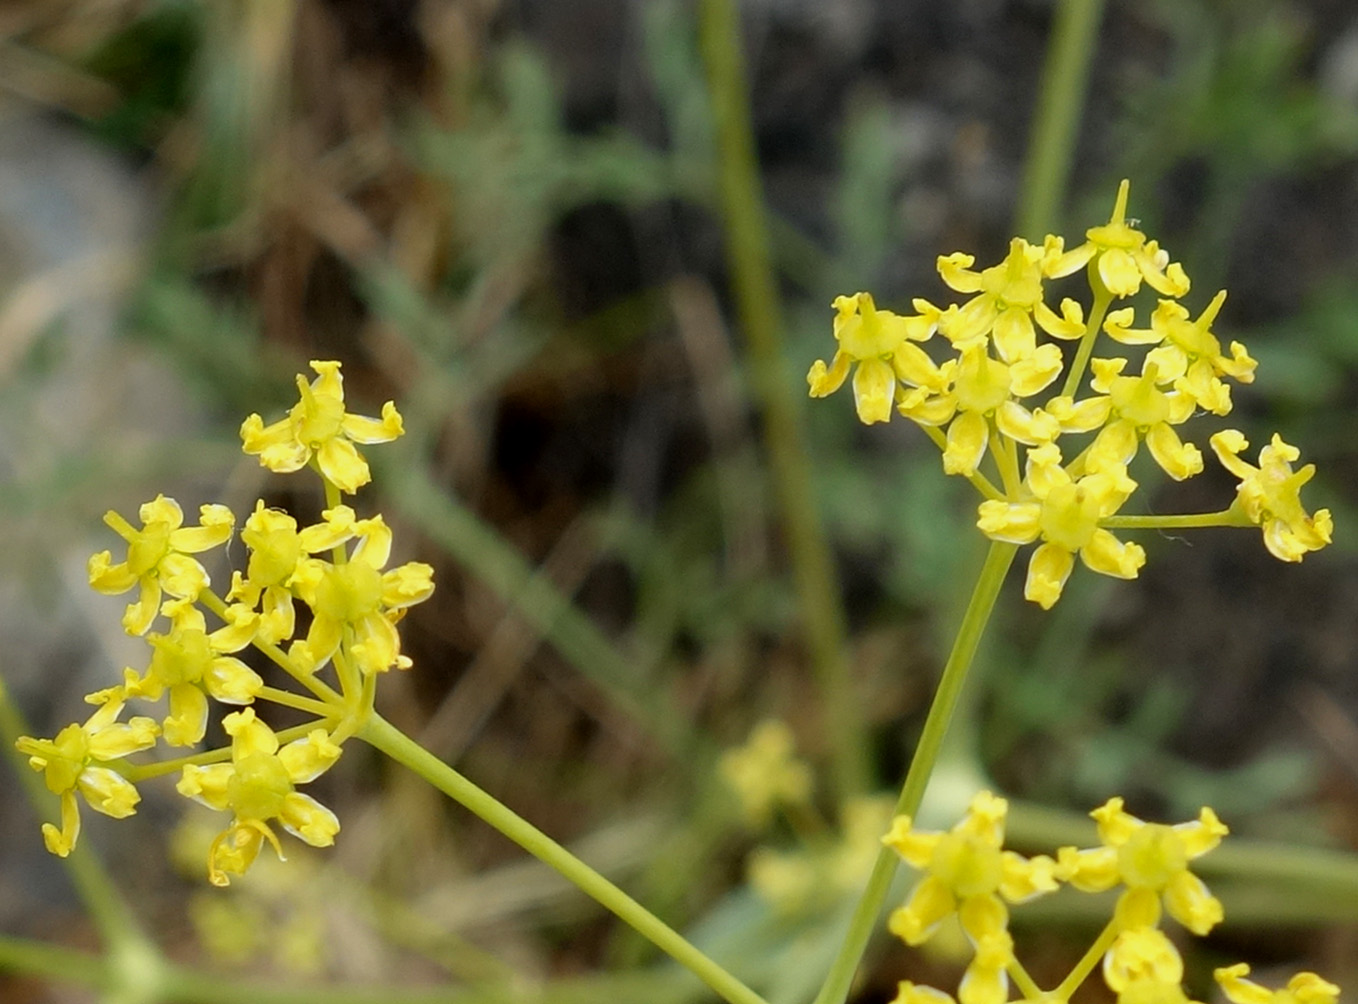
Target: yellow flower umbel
(258, 786)
(158, 557)
(319, 427)
(1150, 860)
(991, 402)
(353, 602)
(967, 872)
(73, 762)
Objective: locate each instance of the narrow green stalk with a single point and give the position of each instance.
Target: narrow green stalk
(1087, 963)
(757, 306)
(1227, 517)
(998, 559)
(1025, 984)
(1102, 298)
(396, 744)
(296, 701)
(1060, 107)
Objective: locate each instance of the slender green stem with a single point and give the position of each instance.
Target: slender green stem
(1227, 517)
(1102, 298)
(756, 297)
(1060, 107)
(396, 744)
(288, 699)
(1087, 963)
(1006, 458)
(1024, 983)
(1000, 556)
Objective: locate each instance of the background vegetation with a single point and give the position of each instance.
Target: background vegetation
(508, 217)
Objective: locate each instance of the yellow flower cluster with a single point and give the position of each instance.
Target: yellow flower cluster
(992, 406)
(336, 568)
(966, 873)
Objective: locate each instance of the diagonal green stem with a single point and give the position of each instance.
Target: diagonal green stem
(396, 744)
(756, 297)
(1000, 556)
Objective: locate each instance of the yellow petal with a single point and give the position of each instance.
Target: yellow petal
(1048, 570)
(874, 384)
(967, 438)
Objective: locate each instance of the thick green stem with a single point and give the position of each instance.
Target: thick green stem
(404, 750)
(1059, 110)
(864, 920)
(757, 306)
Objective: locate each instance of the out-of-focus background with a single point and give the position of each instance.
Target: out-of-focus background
(506, 217)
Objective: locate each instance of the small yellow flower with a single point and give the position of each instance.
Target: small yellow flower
(1133, 408)
(1270, 495)
(1187, 354)
(877, 340)
(1151, 861)
(258, 786)
(158, 557)
(319, 427)
(1141, 954)
(275, 549)
(984, 390)
(1008, 299)
(1065, 513)
(356, 597)
(1304, 988)
(1122, 257)
(72, 761)
(765, 773)
(966, 872)
(192, 664)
